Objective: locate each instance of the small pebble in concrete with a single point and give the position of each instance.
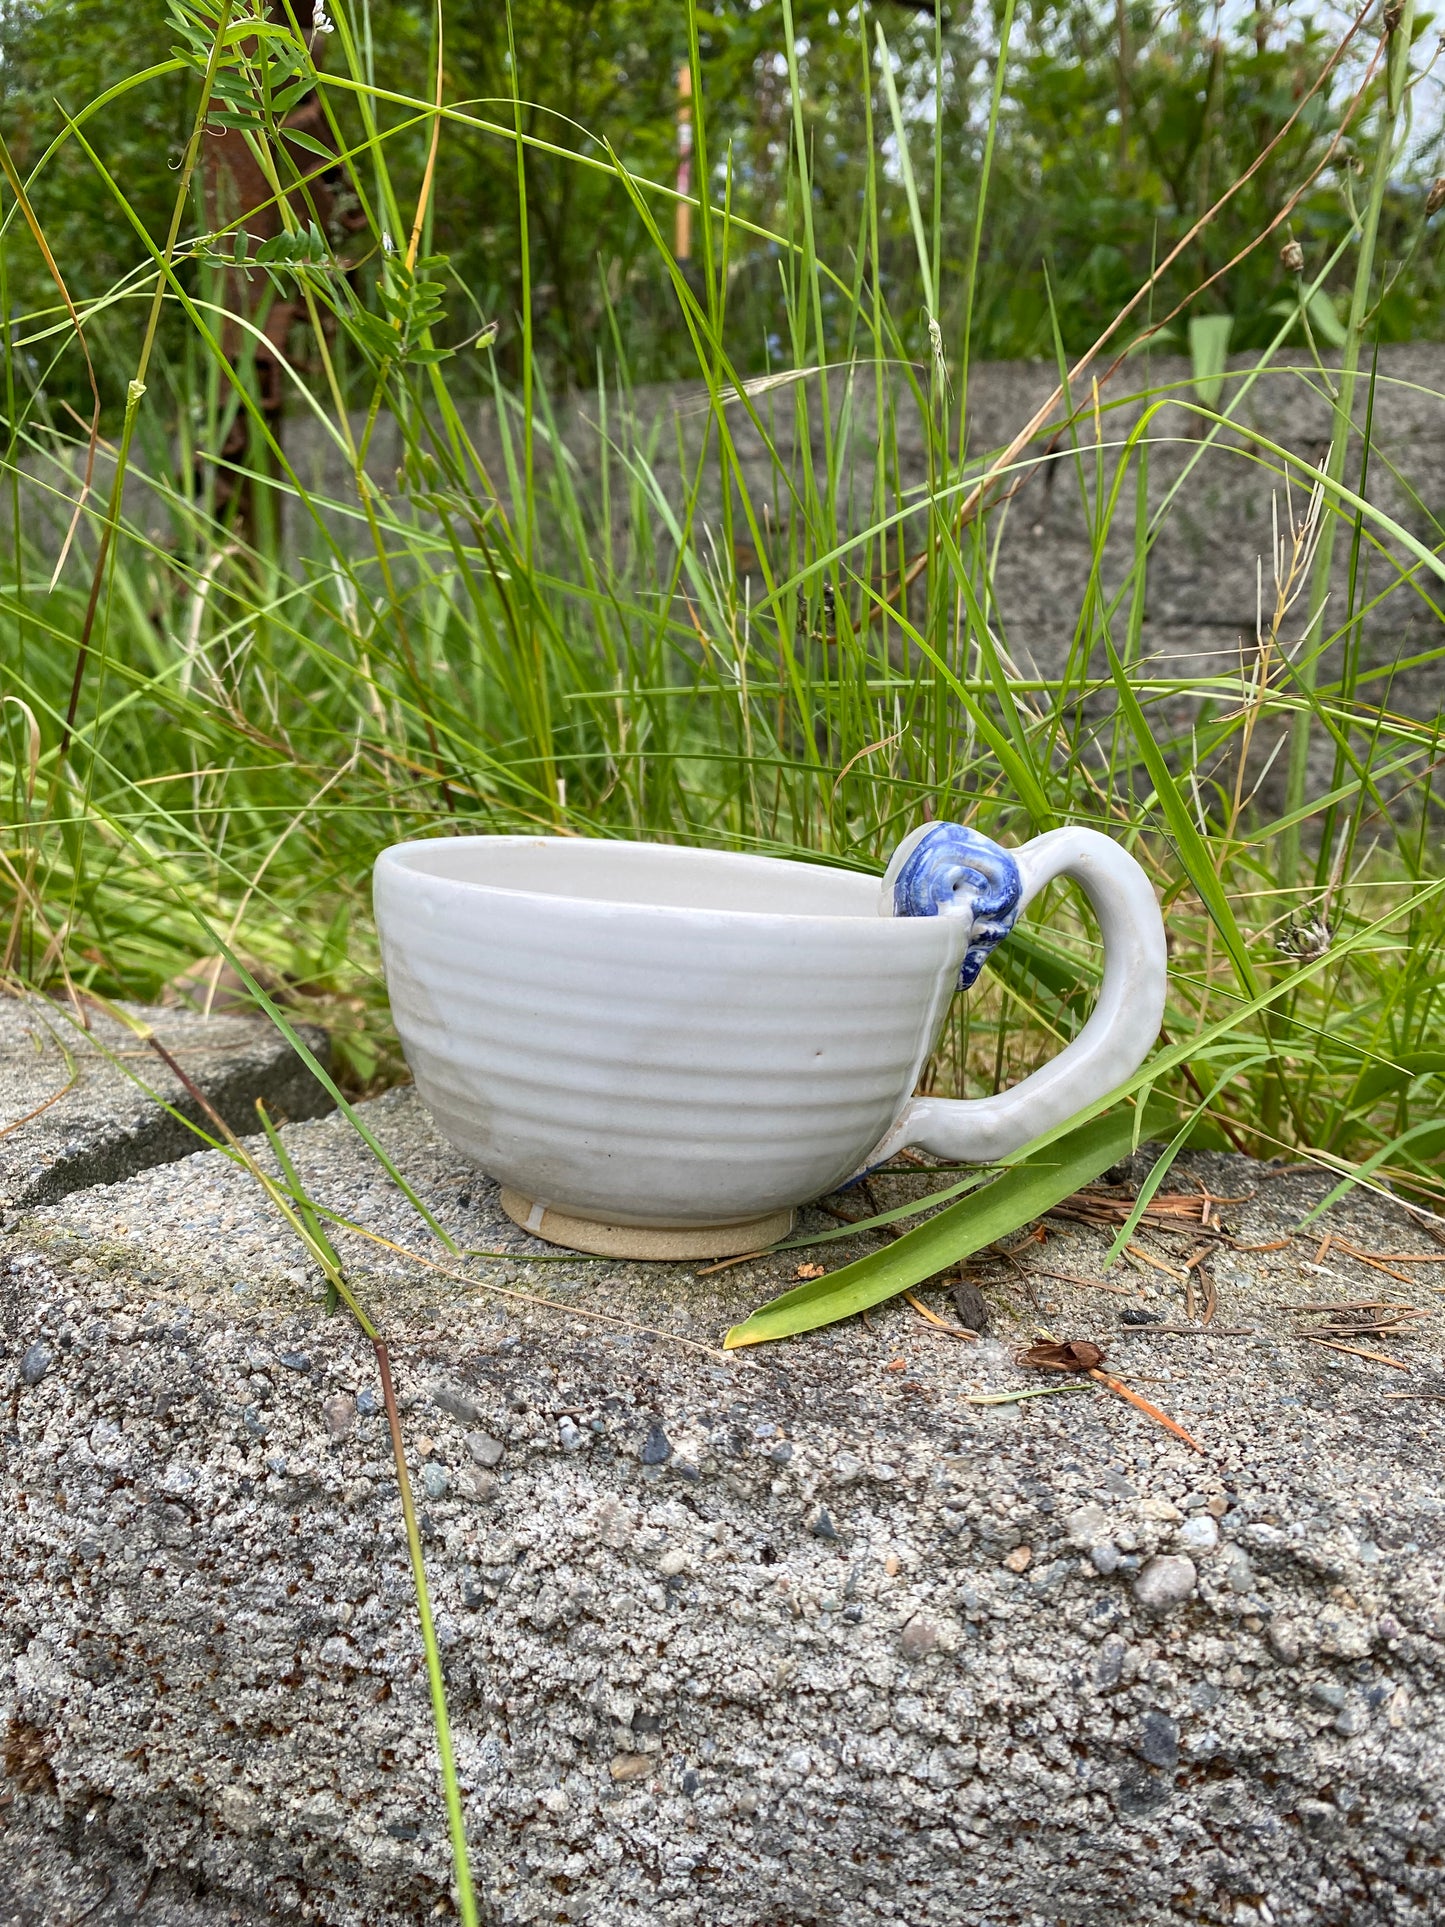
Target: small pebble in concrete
(295, 1361)
(656, 1447)
(1105, 1557)
(1158, 1740)
(367, 1403)
(1165, 1582)
(434, 1480)
(821, 1524)
(475, 1484)
(456, 1403)
(568, 1436)
(1086, 1527)
(1199, 1533)
(339, 1411)
(1239, 1573)
(919, 1637)
(485, 1450)
(630, 1766)
(35, 1364)
(1284, 1643)
(1019, 1559)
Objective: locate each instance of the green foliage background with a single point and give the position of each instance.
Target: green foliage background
(1117, 128)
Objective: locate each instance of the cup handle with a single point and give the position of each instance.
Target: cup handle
(1114, 1042)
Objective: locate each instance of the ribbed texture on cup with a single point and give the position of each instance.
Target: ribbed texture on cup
(657, 1066)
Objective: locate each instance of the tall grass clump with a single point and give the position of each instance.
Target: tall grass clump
(292, 568)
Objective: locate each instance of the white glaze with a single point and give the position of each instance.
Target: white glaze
(665, 1037)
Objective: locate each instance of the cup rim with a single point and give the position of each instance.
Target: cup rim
(395, 858)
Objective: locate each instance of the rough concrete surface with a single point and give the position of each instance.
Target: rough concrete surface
(83, 1099)
(772, 1639)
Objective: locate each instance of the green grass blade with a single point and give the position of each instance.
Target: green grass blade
(1023, 1193)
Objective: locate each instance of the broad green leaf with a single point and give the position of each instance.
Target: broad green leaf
(1208, 349)
(1380, 1078)
(1324, 319)
(1023, 1193)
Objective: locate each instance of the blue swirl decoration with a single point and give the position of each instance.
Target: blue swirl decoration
(952, 871)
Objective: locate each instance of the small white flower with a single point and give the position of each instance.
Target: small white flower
(320, 21)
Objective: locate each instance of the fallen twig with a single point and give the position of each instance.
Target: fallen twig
(1094, 1284)
(1080, 1356)
(743, 1257)
(1355, 1351)
(54, 1098)
(1152, 1411)
(954, 1331)
(1148, 1258)
(1185, 1331)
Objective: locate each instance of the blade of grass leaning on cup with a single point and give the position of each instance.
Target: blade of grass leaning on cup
(880, 1219)
(1025, 1191)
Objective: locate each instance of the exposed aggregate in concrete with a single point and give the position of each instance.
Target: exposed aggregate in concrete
(791, 1636)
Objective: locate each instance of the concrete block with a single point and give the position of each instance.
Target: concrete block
(676, 1694)
(83, 1099)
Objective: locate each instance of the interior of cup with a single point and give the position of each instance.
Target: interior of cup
(654, 875)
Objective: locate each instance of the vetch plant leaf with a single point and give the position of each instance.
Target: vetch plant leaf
(1208, 350)
(1024, 1192)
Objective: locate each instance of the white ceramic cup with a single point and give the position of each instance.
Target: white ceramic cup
(661, 1052)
